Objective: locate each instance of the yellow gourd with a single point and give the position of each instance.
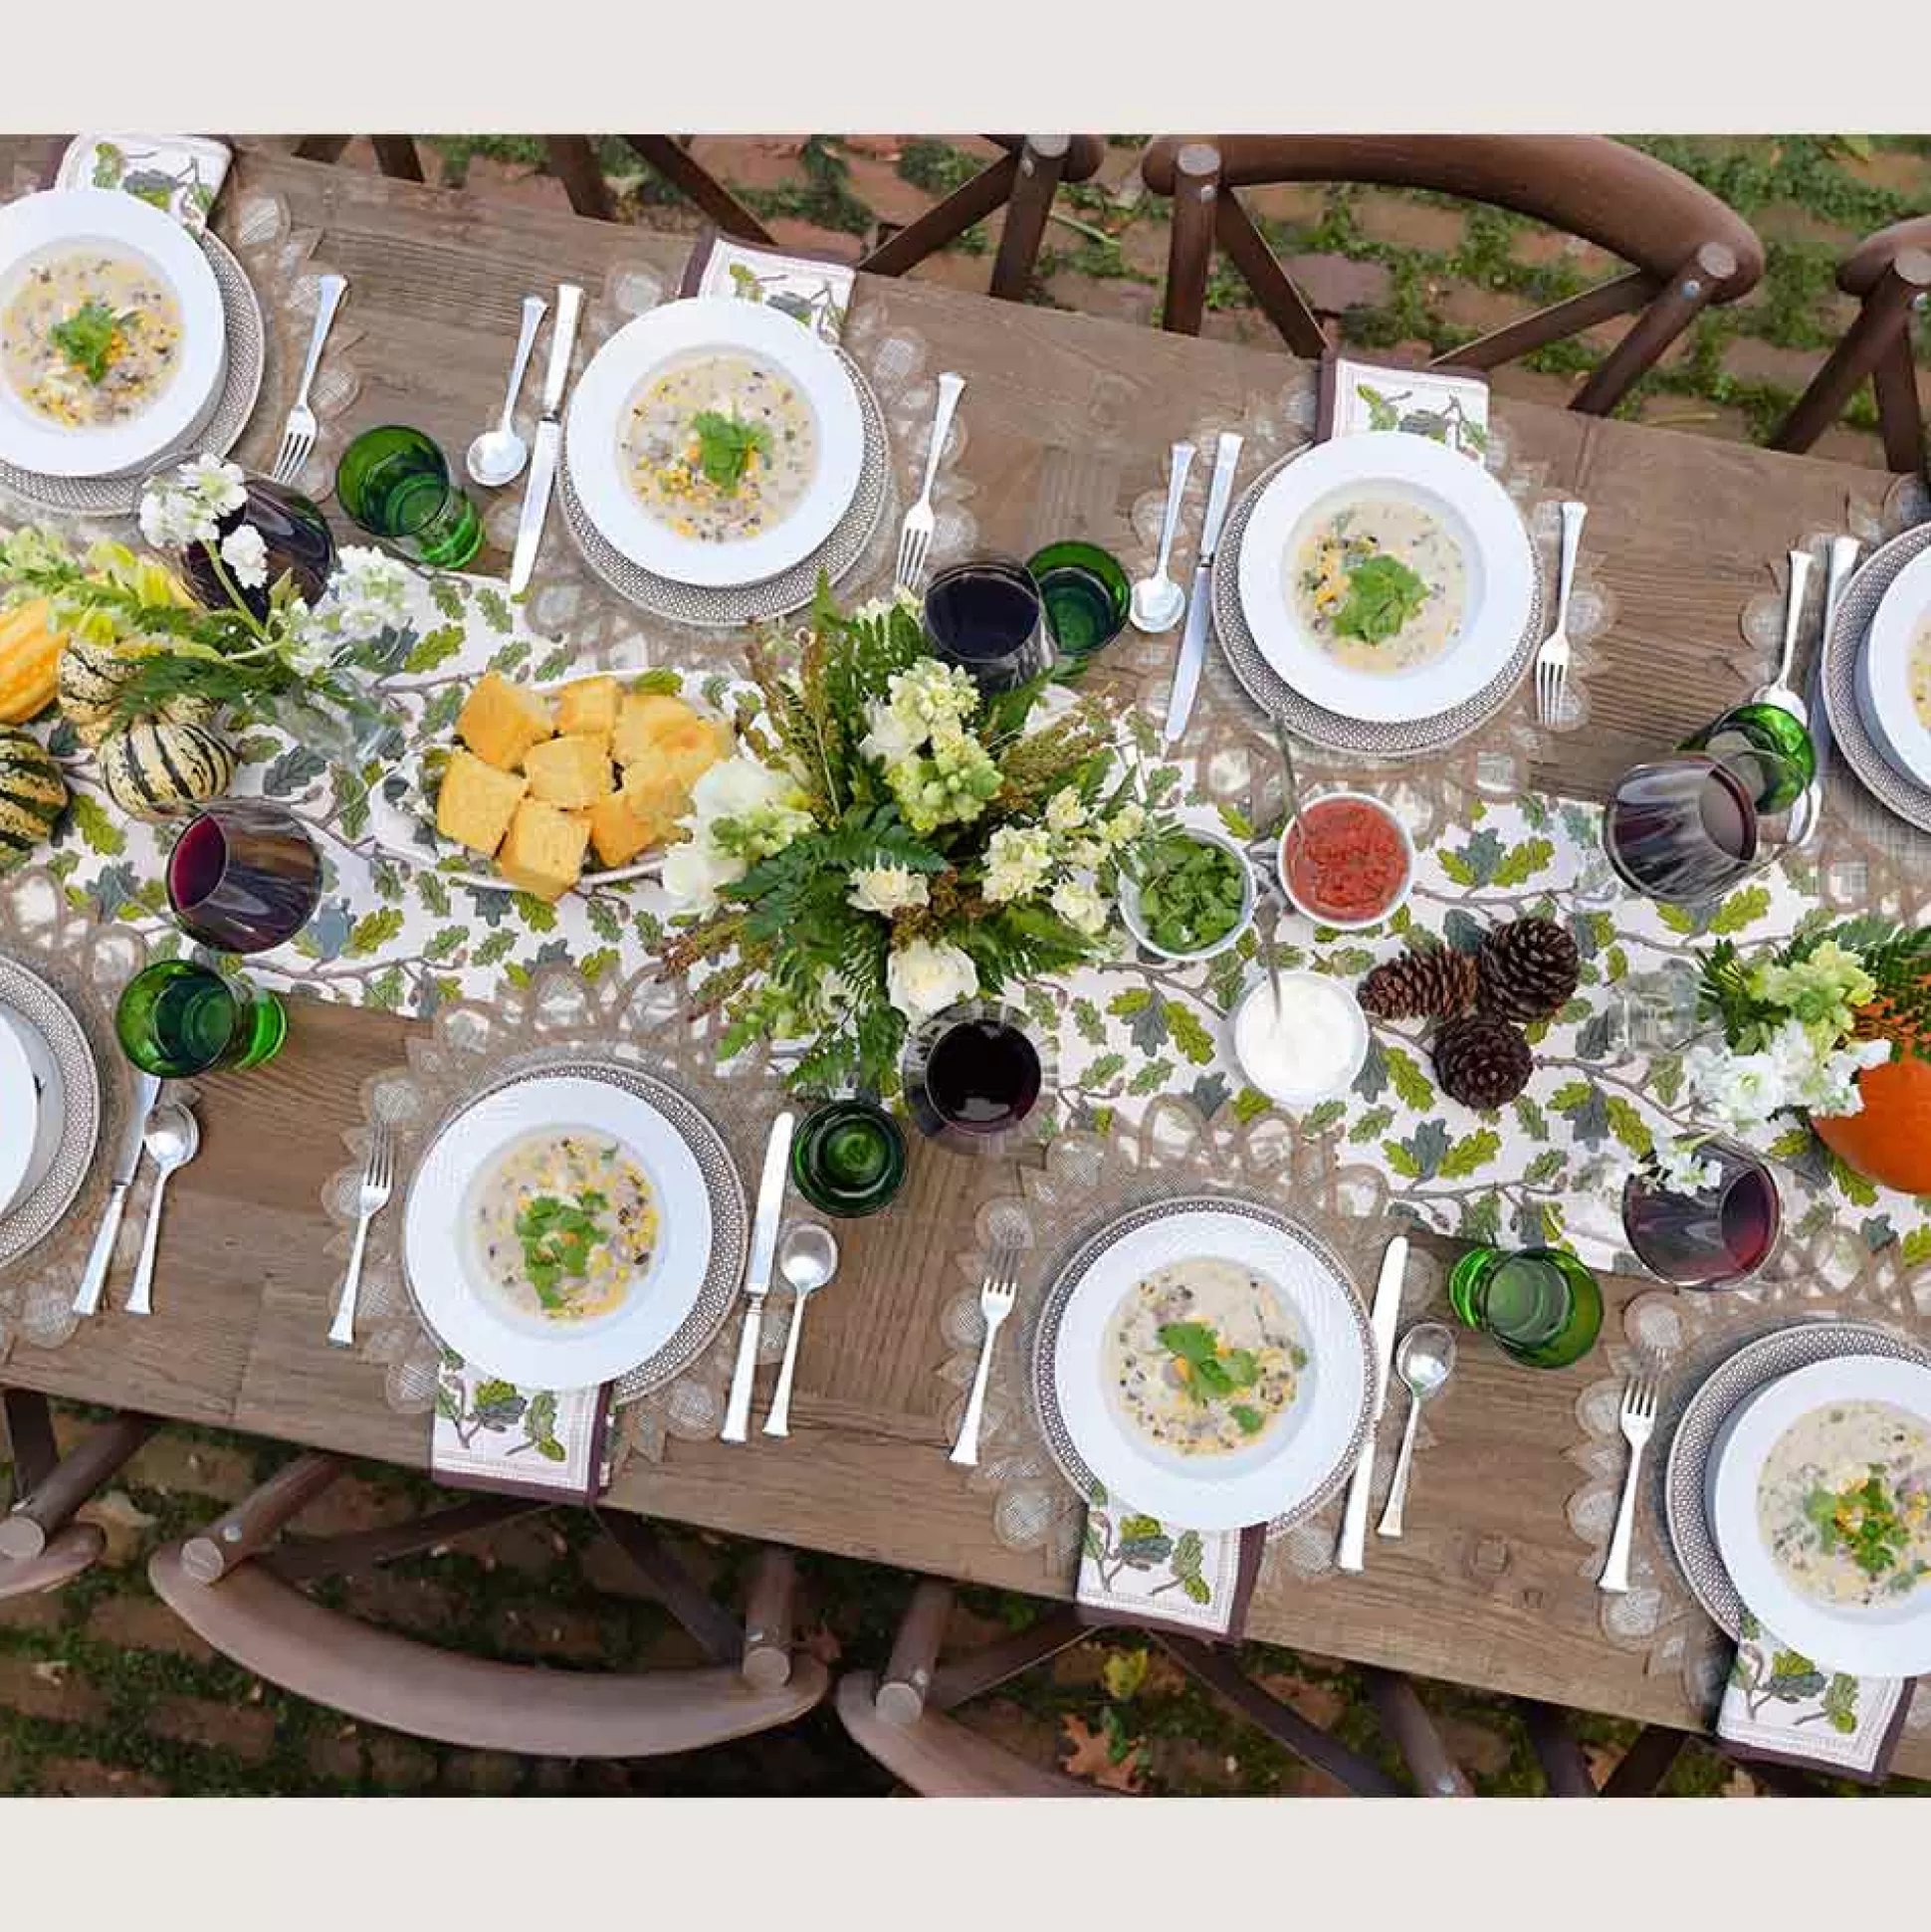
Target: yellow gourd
(30, 661)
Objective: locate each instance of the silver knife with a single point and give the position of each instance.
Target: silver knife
(147, 1089)
(1199, 614)
(1384, 1320)
(758, 1278)
(1843, 560)
(549, 438)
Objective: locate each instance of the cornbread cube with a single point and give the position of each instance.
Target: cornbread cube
(477, 801)
(619, 832)
(689, 750)
(501, 720)
(568, 771)
(657, 796)
(544, 853)
(642, 720)
(590, 705)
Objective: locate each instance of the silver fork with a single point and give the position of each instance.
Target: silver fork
(300, 431)
(997, 1292)
(378, 1181)
(1552, 661)
(1638, 1422)
(915, 533)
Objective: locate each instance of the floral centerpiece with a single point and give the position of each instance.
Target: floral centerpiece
(889, 842)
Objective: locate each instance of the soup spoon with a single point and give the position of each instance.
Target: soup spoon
(808, 1257)
(1424, 1361)
(172, 1140)
(496, 456)
(1157, 601)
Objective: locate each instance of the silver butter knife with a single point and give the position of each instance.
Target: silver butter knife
(549, 438)
(1843, 560)
(758, 1277)
(147, 1090)
(1200, 611)
(1383, 1320)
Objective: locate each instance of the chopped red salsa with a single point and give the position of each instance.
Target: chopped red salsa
(1346, 859)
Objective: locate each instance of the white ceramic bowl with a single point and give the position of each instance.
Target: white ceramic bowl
(1255, 1008)
(1480, 518)
(1205, 828)
(1884, 670)
(40, 226)
(19, 1114)
(677, 333)
(1400, 900)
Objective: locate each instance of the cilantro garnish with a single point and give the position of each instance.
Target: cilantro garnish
(1862, 1521)
(1215, 1372)
(558, 1239)
(1382, 595)
(87, 338)
(724, 447)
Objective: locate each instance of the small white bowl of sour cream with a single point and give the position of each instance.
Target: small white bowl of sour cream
(1307, 1049)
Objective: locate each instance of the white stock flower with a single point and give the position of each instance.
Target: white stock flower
(1081, 907)
(1064, 811)
(1126, 824)
(891, 739)
(923, 978)
(1683, 1169)
(696, 870)
(173, 518)
(220, 486)
(934, 694)
(246, 556)
(1017, 860)
(1740, 1091)
(307, 648)
(887, 889)
(734, 788)
(369, 592)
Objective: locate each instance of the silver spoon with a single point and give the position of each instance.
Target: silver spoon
(1157, 601)
(1780, 691)
(496, 456)
(1424, 1361)
(1266, 924)
(808, 1257)
(172, 1140)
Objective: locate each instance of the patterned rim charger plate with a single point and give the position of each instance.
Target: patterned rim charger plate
(40, 230)
(656, 345)
(1297, 1462)
(1885, 1639)
(1886, 672)
(1843, 651)
(442, 1249)
(1756, 1365)
(1409, 474)
(68, 1114)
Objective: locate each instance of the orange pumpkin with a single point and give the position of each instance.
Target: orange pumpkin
(1890, 1141)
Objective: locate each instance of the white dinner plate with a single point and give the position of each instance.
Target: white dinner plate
(1300, 1455)
(677, 333)
(440, 1248)
(19, 1113)
(40, 226)
(1884, 671)
(1891, 1640)
(1480, 518)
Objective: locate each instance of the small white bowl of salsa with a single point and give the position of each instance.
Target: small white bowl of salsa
(1346, 861)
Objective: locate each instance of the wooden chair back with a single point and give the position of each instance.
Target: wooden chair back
(901, 1715)
(242, 1592)
(1686, 248)
(40, 1545)
(1890, 275)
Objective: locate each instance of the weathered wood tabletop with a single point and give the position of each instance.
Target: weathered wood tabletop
(1070, 418)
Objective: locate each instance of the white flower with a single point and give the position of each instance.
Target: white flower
(173, 518)
(1126, 824)
(220, 486)
(892, 738)
(1081, 907)
(1064, 811)
(1085, 854)
(369, 592)
(1834, 1090)
(922, 979)
(1682, 1170)
(1017, 860)
(246, 556)
(934, 694)
(735, 788)
(1740, 1091)
(307, 648)
(694, 872)
(887, 889)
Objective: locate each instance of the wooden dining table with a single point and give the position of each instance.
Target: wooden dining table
(1070, 419)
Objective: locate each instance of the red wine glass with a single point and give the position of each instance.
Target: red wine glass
(1719, 1237)
(244, 875)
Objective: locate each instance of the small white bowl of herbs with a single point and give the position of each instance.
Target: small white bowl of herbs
(1192, 893)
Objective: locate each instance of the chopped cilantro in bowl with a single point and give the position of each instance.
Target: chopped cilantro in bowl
(1193, 896)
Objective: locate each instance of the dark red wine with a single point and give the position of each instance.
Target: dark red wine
(1681, 830)
(243, 877)
(296, 535)
(984, 1076)
(1711, 1239)
(984, 617)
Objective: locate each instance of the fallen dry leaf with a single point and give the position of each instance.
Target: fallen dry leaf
(51, 1670)
(824, 1646)
(1091, 1757)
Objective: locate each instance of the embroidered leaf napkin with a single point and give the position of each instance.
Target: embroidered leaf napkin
(180, 174)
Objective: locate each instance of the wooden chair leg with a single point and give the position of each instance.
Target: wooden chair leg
(1041, 162)
(227, 1544)
(956, 1683)
(1556, 1751)
(344, 1556)
(68, 1551)
(973, 201)
(1221, 1675)
(1281, 302)
(574, 161)
(1408, 1722)
(769, 1605)
(54, 1499)
(672, 160)
(321, 147)
(396, 157)
(907, 1679)
(1878, 344)
(30, 1437)
(720, 1634)
(1190, 245)
(1646, 1763)
(1673, 309)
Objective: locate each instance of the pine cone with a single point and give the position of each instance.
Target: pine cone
(1481, 1061)
(1421, 986)
(1529, 969)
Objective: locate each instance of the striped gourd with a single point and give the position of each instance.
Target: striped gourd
(30, 656)
(91, 678)
(32, 796)
(158, 767)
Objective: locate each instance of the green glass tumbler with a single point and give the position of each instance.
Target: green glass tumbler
(176, 1019)
(1784, 752)
(849, 1158)
(1087, 598)
(1539, 1305)
(395, 484)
